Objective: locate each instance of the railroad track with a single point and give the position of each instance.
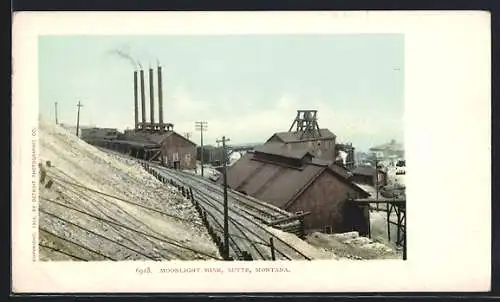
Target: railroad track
(241, 222)
(249, 238)
(104, 211)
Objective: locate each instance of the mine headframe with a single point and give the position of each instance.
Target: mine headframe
(306, 124)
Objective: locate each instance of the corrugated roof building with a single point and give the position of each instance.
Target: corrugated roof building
(176, 151)
(296, 181)
(321, 146)
(368, 175)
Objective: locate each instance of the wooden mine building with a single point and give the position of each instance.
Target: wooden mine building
(296, 171)
(304, 133)
(296, 181)
(368, 176)
(155, 141)
(172, 149)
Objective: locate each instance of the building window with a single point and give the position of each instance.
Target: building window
(175, 156)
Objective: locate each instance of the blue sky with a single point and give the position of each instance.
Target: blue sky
(245, 86)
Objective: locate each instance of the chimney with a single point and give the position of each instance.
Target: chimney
(136, 101)
(143, 100)
(160, 97)
(151, 98)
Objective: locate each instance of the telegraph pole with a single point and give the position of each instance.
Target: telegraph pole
(187, 135)
(201, 126)
(376, 176)
(57, 121)
(78, 117)
(226, 218)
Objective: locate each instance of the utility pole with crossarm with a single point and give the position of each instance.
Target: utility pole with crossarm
(78, 118)
(201, 126)
(226, 218)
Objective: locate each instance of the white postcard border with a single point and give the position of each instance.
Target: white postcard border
(447, 110)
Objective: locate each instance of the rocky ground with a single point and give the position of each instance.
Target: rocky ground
(96, 206)
(351, 246)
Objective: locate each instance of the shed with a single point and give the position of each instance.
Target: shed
(368, 175)
(176, 151)
(296, 181)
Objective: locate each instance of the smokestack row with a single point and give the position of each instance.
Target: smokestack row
(136, 102)
(160, 97)
(151, 98)
(152, 124)
(143, 100)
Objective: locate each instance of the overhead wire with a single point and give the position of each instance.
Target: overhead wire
(95, 234)
(89, 199)
(166, 239)
(77, 244)
(62, 252)
(59, 179)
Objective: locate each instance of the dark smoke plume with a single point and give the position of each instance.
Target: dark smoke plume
(127, 57)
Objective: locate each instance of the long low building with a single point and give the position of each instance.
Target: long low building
(176, 151)
(296, 181)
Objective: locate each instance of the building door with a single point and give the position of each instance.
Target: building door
(175, 159)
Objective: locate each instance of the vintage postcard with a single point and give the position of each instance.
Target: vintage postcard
(251, 152)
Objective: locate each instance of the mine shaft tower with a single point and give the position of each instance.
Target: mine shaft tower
(306, 124)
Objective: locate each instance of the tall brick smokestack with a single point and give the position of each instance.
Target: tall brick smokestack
(160, 96)
(143, 99)
(136, 102)
(151, 98)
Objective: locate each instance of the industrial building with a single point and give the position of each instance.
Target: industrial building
(304, 133)
(296, 181)
(172, 149)
(298, 172)
(89, 134)
(151, 140)
(367, 175)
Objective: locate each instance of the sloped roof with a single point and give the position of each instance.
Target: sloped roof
(343, 172)
(135, 143)
(154, 137)
(282, 150)
(365, 170)
(367, 188)
(268, 182)
(289, 137)
(279, 185)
